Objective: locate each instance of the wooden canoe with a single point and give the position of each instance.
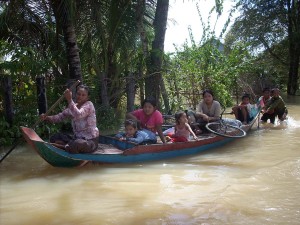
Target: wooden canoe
(111, 150)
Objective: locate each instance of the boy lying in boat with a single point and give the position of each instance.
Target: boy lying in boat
(133, 134)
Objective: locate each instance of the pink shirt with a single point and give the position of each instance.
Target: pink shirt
(83, 120)
(183, 132)
(149, 122)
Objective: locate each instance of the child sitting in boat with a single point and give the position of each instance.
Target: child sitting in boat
(244, 111)
(133, 134)
(182, 129)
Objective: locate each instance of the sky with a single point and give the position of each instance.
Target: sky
(183, 13)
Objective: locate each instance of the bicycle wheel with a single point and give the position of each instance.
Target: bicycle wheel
(225, 130)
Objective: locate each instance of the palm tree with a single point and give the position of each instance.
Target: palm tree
(154, 79)
(63, 14)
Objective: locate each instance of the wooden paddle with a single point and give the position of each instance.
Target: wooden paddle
(38, 121)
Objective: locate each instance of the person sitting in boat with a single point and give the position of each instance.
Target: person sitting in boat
(266, 96)
(133, 134)
(274, 107)
(83, 116)
(243, 111)
(209, 110)
(182, 129)
(149, 117)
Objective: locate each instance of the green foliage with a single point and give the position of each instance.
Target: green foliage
(271, 28)
(108, 119)
(203, 67)
(7, 134)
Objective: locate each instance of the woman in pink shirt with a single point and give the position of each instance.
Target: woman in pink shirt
(149, 117)
(83, 116)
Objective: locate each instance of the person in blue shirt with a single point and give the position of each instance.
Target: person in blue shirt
(133, 134)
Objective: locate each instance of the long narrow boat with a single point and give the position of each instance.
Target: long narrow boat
(111, 150)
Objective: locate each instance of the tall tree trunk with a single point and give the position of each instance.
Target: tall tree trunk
(104, 92)
(130, 90)
(8, 100)
(165, 96)
(62, 10)
(293, 85)
(41, 94)
(140, 11)
(154, 77)
(294, 45)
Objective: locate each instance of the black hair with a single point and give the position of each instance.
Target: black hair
(150, 100)
(207, 91)
(132, 123)
(84, 87)
(178, 115)
(245, 96)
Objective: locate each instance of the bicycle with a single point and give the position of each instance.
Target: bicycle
(223, 128)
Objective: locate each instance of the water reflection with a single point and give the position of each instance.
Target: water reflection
(253, 182)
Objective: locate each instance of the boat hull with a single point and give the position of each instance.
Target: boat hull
(116, 151)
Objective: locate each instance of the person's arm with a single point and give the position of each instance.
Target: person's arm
(138, 139)
(201, 112)
(120, 135)
(160, 133)
(56, 118)
(273, 105)
(60, 116)
(202, 115)
(191, 131)
(217, 112)
(86, 109)
(130, 116)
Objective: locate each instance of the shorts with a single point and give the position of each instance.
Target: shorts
(76, 145)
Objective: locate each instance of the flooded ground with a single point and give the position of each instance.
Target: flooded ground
(254, 180)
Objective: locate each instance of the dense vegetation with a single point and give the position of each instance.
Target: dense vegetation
(116, 47)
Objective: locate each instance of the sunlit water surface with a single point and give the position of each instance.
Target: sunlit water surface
(254, 180)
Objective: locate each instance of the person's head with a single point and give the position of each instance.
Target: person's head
(266, 92)
(131, 127)
(82, 94)
(181, 117)
(208, 96)
(246, 99)
(149, 106)
(275, 92)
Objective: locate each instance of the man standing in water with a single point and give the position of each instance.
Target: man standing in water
(274, 107)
